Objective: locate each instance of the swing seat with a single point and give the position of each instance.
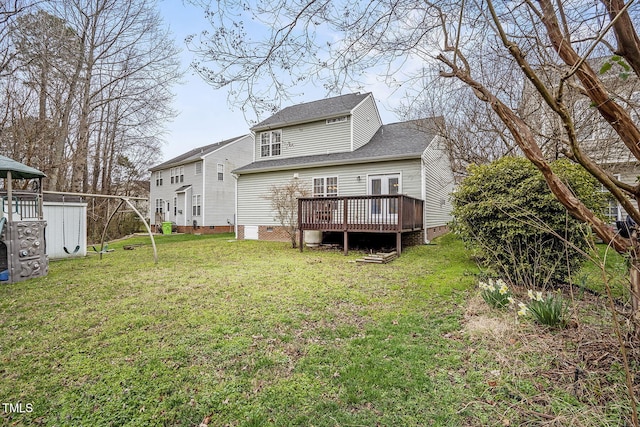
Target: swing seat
(104, 250)
(75, 251)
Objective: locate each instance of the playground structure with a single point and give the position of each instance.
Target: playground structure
(123, 200)
(22, 227)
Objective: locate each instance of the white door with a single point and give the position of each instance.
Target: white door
(384, 209)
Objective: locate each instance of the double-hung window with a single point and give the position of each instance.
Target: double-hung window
(177, 174)
(199, 168)
(159, 206)
(197, 205)
(158, 178)
(220, 172)
(325, 186)
(270, 143)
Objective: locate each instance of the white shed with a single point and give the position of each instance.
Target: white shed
(66, 228)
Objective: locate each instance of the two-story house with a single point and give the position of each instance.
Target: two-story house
(595, 137)
(363, 176)
(196, 191)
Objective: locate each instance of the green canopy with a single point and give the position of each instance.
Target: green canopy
(18, 170)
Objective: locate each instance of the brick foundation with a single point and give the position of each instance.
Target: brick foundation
(274, 233)
(434, 232)
(413, 238)
(216, 229)
(278, 234)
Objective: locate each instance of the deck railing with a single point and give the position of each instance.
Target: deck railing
(384, 213)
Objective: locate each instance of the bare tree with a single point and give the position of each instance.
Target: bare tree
(91, 80)
(284, 203)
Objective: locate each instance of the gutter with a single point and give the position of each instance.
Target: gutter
(327, 163)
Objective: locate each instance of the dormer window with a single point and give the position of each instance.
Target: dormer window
(340, 119)
(270, 143)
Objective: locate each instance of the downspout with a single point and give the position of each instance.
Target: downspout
(235, 209)
(204, 191)
(423, 179)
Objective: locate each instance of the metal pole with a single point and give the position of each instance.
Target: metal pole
(9, 196)
(153, 242)
(104, 196)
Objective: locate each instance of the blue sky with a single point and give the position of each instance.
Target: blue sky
(204, 116)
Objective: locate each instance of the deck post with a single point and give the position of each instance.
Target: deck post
(400, 225)
(300, 230)
(346, 242)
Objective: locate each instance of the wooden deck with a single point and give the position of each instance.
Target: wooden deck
(363, 214)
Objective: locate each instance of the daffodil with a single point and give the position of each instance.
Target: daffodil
(511, 300)
(504, 289)
(530, 294)
(539, 296)
(523, 309)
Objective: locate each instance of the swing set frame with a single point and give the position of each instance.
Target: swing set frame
(123, 200)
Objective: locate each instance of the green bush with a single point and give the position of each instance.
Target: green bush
(508, 214)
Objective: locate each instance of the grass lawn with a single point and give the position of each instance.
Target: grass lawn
(255, 333)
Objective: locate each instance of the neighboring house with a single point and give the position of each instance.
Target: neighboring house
(196, 190)
(595, 136)
(364, 176)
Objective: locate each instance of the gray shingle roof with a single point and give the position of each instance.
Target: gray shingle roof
(194, 154)
(311, 111)
(394, 141)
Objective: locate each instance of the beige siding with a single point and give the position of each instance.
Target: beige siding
(254, 209)
(438, 185)
(366, 122)
(310, 139)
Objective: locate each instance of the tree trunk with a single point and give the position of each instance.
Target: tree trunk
(634, 288)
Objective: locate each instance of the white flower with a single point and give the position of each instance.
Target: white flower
(539, 296)
(523, 309)
(511, 300)
(503, 289)
(482, 285)
(530, 294)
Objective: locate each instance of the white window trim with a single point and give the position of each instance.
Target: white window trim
(270, 142)
(324, 186)
(196, 202)
(220, 171)
(198, 163)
